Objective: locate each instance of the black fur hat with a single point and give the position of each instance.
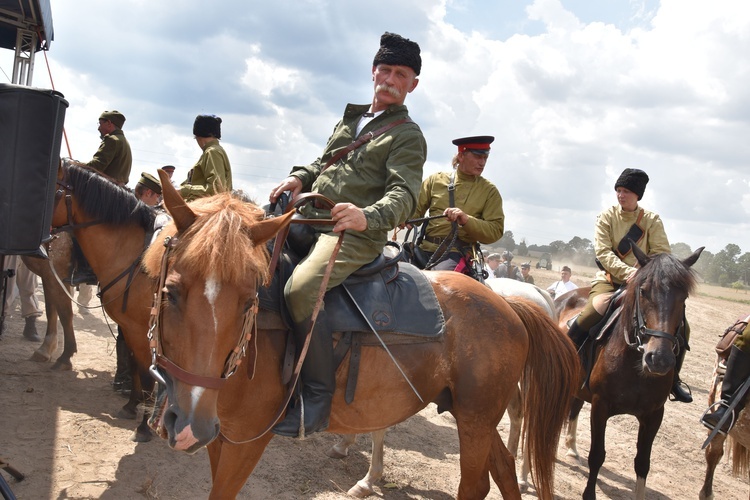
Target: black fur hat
(398, 51)
(634, 180)
(207, 126)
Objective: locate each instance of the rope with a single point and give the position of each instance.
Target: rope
(52, 83)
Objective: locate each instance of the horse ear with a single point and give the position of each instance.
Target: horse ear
(181, 214)
(267, 228)
(693, 258)
(640, 255)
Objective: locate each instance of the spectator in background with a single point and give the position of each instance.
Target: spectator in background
(564, 285)
(526, 273)
(169, 169)
(491, 263)
(507, 269)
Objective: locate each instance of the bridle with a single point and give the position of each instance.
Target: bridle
(641, 331)
(64, 190)
(159, 360)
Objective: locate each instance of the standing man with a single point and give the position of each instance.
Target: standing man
(492, 262)
(374, 189)
(526, 273)
(564, 285)
(507, 269)
(212, 174)
(464, 197)
(23, 284)
(113, 158)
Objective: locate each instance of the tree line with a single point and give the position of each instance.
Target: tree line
(728, 267)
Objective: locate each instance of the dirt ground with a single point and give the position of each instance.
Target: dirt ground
(59, 429)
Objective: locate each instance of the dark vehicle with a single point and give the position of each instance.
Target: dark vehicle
(545, 261)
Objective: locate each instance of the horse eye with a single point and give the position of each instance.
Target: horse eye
(169, 295)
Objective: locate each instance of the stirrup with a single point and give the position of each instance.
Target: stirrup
(718, 404)
(680, 385)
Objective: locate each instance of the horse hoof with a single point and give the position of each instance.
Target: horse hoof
(571, 453)
(523, 486)
(360, 490)
(39, 357)
(62, 366)
(141, 437)
(126, 413)
(333, 452)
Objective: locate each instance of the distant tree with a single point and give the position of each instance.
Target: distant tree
(523, 250)
(681, 250)
(738, 285)
(557, 246)
(507, 241)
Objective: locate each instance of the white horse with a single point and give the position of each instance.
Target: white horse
(504, 287)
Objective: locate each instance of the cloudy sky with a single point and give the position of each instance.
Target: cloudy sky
(574, 92)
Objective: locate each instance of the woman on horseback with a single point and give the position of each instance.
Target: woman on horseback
(616, 227)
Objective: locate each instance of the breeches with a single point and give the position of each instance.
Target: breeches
(743, 340)
(301, 291)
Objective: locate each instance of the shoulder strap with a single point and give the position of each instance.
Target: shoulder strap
(635, 233)
(362, 140)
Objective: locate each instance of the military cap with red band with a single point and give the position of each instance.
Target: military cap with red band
(479, 144)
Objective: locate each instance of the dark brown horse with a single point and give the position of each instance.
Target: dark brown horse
(738, 440)
(634, 365)
(56, 302)
(216, 262)
(113, 227)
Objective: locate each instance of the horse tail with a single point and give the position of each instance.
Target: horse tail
(550, 379)
(740, 458)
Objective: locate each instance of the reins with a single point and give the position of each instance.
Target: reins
(641, 330)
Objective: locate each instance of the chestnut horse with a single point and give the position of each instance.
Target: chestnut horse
(634, 366)
(113, 227)
(56, 302)
(738, 440)
(213, 265)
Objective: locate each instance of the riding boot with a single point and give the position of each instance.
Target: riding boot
(577, 334)
(123, 381)
(318, 381)
(738, 370)
(678, 393)
(29, 330)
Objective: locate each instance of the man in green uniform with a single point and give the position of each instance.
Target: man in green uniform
(212, 174)
(113, 158)
(477, 206)
(374, 188)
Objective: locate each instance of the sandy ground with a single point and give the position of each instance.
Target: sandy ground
(59, 429)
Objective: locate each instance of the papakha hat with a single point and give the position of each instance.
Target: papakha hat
(207, 126)
(478, 144)
(151, 182)
(398, 51)
(634, 180)
(117, 118)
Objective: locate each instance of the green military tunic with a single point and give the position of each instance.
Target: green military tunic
(212, 174)
(113, 158)
(475, 196)
(382, 177)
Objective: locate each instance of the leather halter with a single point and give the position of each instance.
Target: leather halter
(641, 331)
(159, 360)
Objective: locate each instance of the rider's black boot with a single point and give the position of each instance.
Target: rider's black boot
(678, 392)
(577, 334)
(738, 370)
(29, 330)
(123, 381)
(318, 381)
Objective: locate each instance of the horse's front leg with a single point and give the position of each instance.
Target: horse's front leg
(599, 416)
(364, 486)
(570, 436)
(341, 448)
(232, 464)
(649, 426)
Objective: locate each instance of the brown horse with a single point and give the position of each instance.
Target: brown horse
(56, 302)
(738, 440)
(216, 261)
(634, 366)
(113, 227)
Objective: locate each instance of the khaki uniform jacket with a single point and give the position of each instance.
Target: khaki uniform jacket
(611, 226)
(476, 196)
(113, 158)
(212, 174)
(382, 177)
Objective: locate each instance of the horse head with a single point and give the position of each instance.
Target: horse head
(209, 269)
(655, 303)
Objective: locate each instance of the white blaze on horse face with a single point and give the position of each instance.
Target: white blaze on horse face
(213, 287)
(195, 396)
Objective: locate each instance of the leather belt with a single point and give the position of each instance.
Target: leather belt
(457, 244)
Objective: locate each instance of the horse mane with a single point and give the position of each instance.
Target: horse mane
(664, 271)
(220, 218)
(102, 198)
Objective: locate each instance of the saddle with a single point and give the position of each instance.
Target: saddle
(724, 346)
